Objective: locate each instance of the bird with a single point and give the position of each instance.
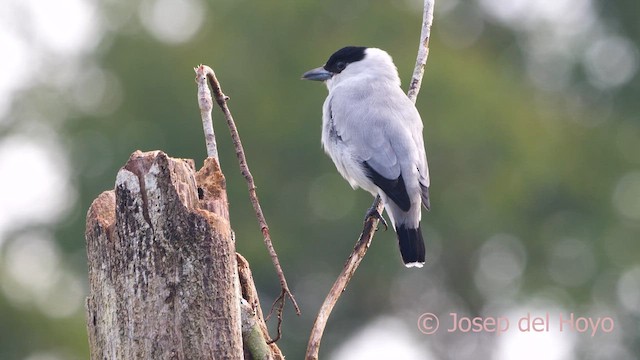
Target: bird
(373, 133)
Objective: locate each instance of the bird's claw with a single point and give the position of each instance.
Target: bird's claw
(373, 213)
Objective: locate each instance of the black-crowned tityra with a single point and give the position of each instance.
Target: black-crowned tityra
(373, 134)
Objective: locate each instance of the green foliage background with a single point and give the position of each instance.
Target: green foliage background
(506, 158)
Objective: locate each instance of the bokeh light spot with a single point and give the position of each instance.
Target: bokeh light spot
(501, 262)
(172, 21)
(571, 262)
(626, 196)
(26, 198)
(32, 261)
(611, 61)
(384, 338)
(65, 26)
(629, 290)
(531, 345)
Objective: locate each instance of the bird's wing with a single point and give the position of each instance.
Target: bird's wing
(423, 168)
(384, 133)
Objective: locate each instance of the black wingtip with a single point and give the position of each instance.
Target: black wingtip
(411, 246)
(424, 193)
(394, 188)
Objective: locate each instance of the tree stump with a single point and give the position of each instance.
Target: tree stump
(163, 273)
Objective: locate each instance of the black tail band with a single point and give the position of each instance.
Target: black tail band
(411, 245)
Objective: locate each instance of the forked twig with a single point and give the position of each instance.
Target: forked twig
(371, 223)
(221, 99)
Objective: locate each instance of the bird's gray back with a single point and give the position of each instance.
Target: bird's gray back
(375, 122)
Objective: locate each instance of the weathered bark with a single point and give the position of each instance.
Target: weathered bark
(162, 266)
(254, 328)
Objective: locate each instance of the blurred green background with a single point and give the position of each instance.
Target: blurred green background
(532, 134)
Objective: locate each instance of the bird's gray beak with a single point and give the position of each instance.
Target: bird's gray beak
(317, 74)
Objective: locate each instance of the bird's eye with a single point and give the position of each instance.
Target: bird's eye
(341, 65)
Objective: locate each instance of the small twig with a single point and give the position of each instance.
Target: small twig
(371, 223)
(221, 100)
(206, 105)
(279, 310)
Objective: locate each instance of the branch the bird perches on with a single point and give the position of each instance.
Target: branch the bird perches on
(371, 223)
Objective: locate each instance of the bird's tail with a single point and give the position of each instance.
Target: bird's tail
(411, 246)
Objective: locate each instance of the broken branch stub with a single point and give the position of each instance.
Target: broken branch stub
(162, 266)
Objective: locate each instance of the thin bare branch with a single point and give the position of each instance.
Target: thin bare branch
(360, 249)
(221, 100)
(371, 223)
(206, 105)
(423, 50)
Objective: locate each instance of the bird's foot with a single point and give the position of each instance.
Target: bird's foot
(373, 213)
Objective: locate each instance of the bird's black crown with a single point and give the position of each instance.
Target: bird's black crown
(343, 57)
